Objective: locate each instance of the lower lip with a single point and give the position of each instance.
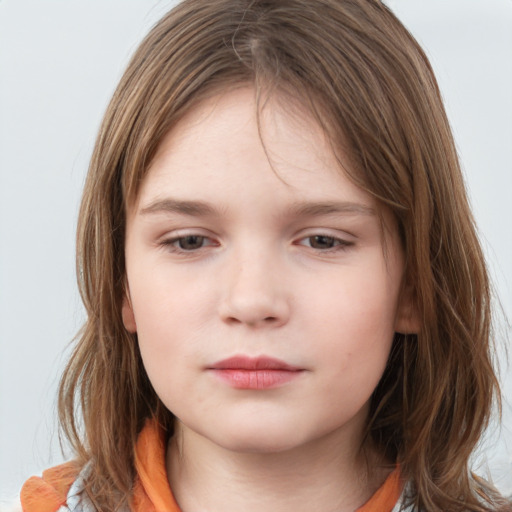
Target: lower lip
(256, 379)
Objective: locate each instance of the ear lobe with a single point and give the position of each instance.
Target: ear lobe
(127, 314)
(407, 319)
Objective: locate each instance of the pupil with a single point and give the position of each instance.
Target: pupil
(189, 243)
(322, 242)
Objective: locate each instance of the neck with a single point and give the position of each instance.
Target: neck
(329, 474)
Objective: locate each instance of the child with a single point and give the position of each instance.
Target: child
(288, 307)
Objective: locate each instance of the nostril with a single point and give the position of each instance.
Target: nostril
(253, 322)
(256, 310)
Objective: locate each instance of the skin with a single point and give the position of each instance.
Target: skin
(284, 257)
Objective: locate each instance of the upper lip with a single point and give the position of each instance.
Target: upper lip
(253, 363)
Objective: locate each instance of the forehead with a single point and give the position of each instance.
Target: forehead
(231, 144)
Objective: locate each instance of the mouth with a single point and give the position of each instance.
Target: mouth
(242, 372)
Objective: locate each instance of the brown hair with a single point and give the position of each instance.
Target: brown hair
(371, 87)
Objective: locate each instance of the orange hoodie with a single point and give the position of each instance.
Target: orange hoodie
(151, 491)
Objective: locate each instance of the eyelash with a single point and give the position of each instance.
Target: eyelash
(338, 244)
(173, 243)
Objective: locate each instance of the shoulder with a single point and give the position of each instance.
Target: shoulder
(49, 492)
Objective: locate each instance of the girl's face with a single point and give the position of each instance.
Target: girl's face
(262, 293)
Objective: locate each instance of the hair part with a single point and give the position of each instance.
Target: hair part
(369, 85)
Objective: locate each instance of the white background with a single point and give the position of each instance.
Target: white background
(59, 63)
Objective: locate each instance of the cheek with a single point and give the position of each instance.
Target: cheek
(171, 314)
(167, 297)
(357, 300)
(354, 323)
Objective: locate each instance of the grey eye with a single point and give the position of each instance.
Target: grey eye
(190, 243)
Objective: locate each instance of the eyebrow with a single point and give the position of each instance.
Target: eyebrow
(300, 209)
(308, 209)
(192, 208)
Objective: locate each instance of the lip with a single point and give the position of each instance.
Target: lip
(253, 363)
(242, 372)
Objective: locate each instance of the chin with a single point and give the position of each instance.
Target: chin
(264, 439)
(260, 444)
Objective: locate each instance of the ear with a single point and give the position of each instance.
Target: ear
(407, 320)
(127, 313)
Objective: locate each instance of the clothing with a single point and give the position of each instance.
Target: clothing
(60, 488)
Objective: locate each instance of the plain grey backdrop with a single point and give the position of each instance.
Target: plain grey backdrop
(59, 63)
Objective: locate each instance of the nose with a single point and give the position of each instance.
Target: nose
(254, 292)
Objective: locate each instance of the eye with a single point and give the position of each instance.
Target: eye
(324, 242)
(321, 242)
(188, 243)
